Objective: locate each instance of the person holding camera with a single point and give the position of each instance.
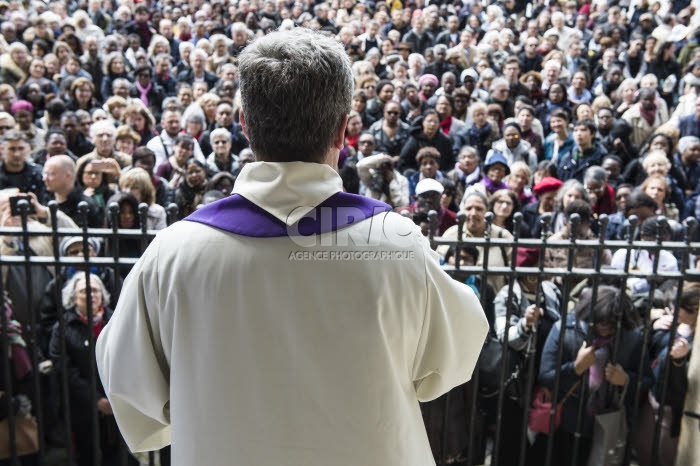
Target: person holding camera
(383, 182)
(16, 171)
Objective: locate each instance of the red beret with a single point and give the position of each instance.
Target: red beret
(546, 185)
(527, 257)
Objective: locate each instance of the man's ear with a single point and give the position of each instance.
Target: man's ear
(339, 140)
(241, 120)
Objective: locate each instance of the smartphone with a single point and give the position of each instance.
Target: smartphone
(14, 205)
(101, 166)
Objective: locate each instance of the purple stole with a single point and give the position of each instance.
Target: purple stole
(238, 215)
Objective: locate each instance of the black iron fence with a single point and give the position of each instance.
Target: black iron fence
(480, 422)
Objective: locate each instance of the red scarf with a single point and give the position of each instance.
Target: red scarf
(98, 321)
(648, 115)
(445, 125)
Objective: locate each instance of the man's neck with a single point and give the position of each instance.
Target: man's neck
(14, 167)
(62, 195)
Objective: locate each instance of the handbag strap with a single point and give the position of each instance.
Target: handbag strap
(570, 392)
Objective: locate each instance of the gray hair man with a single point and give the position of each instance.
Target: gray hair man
(267, 345)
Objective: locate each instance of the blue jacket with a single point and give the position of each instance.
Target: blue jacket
(569, 167)
(549, 145)
(689, 126)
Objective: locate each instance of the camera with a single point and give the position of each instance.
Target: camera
(377, 182)
(14, 205)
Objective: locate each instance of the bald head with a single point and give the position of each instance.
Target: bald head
(62, 163)
(59, 175)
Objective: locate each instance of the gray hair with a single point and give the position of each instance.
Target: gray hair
(296, 90)
(102, 125)
(68, 292)
(168, 101)
(119, 81)
(499, 82)
(568, 185)
(686, 142)
(596, 174)
(218, 132)
(184, 45)
(472, 151)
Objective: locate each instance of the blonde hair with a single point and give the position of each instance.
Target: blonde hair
(479, 105)
(656, 156)
(521, 167)
(208, 98)
(138, 178)
(125, 132)
(141, 109)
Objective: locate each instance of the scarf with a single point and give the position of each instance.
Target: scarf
(21, 363)
(144, 92)
(596, 375)
(97, 321)
(178, 173)
(648, 115)
(445, 125)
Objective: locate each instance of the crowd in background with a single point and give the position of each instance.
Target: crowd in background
(550, 109)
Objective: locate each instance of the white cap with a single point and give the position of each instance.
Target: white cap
(429, 184)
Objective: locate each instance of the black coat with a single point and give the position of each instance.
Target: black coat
(187, 76)
(78, 363)
(419, 140)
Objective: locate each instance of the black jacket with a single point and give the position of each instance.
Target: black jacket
(419, 140)
(78, 361)
(155, 96)
(187, 76)
(29, 180)
(95, 215)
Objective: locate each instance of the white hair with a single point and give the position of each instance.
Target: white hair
(68, 292)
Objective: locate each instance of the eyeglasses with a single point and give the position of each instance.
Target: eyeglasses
(392, 113)
(366, 142)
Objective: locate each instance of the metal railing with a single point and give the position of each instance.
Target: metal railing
(683, 248)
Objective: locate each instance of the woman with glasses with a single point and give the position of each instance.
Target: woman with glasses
(147, 91)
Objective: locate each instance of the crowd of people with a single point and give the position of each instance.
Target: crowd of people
(549, 109)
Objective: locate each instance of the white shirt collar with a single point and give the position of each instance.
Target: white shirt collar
(287, 190)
